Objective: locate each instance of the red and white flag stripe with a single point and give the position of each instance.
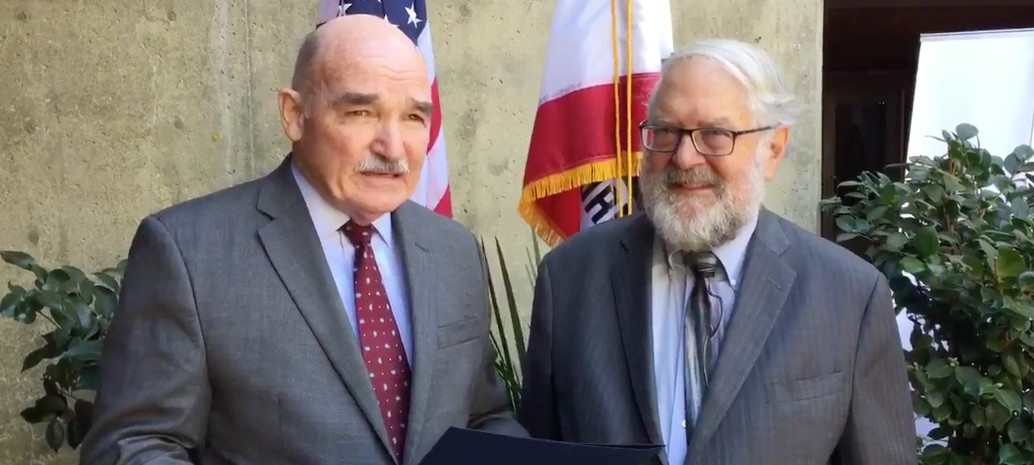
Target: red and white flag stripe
(601, 66)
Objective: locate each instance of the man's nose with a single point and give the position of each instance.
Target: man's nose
(388, 141)
(687, 156)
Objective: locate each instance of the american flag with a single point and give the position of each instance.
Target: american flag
(410, 16)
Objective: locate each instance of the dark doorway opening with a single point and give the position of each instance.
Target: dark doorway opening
(870, 55)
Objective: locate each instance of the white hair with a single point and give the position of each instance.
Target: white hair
(771, 99)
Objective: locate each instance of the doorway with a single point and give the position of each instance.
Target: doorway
(870, 56)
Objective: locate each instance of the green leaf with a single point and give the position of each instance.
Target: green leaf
(1017, 429)
(989, 251)
(997, 416)
(938, 368)
(935, 193)
(1026, 279)
(1012, 164)
(876, 213)
(926, 242)
(842, 237)
(1022, 307)
(1020, 209)
(34, 358)
(977, 417)
(920, 405)
(1010, 263)
(966, 131)
(76, 431)
(935, 454)
(1008, 399)
(967, 375)
(935, 398)
(55, 434)
(846, 224)
(1023, 152)
(20, 259)
(107, 280)
(89, 378)
(1009, 454)
(35, 414)
(912, 265)
(83, 351)
(1012, 364)
(942, 412)
(939, 433)
(50, 299)
(895, 241)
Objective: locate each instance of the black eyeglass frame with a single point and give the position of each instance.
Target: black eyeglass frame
(684, 133)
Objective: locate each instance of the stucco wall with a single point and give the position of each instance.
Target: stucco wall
(114, 109)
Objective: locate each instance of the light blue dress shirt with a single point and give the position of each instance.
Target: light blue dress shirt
(671, 289)
(340, 255)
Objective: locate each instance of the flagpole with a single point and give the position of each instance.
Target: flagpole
(628, 104)
(617, 102)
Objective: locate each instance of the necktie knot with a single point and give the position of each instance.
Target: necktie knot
(358, 235)
(704, 264)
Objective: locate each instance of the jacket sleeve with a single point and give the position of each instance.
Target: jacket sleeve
(880, 426)
(153, 400)
(538, 405)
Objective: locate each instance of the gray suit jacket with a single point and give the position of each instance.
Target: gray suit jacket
(811, 370)
(231, 343)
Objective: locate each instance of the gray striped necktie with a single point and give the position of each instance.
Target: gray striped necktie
(698, 330)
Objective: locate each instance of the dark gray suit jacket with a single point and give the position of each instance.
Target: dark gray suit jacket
(231, 343)
(811, 370)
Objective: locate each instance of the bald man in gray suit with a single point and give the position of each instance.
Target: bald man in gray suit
(314, 316)
(709, 324)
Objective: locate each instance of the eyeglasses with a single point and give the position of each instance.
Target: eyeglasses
(713, 142)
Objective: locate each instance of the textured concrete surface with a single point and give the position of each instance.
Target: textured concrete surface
(114, 109)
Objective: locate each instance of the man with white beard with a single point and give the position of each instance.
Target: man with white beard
(707, 323)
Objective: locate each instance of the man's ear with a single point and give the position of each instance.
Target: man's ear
(776, 151)
(292, 113)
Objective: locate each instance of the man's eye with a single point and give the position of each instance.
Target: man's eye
(358, 113)
(417, 117)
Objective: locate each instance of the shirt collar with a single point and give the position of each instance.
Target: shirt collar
(730, 255)
(328, 220)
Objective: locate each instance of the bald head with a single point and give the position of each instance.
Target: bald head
(359, 115)
(347, 41)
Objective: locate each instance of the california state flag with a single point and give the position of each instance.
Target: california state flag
(603, 61)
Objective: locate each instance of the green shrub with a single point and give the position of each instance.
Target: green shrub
(956, 240)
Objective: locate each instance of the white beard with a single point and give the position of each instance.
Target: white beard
(701, 224)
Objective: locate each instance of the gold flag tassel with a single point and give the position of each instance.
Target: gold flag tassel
(623, 152)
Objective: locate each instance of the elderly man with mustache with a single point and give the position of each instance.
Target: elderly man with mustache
(707, 323)
(314, 316)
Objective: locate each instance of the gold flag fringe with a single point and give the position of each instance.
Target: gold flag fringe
(574, 178)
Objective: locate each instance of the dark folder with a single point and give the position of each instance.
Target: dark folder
(470, 447)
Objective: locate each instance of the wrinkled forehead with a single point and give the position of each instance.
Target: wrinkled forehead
(350, 66)
(700, 92)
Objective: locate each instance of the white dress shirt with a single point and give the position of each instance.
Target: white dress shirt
(671, 290)
(340, 255)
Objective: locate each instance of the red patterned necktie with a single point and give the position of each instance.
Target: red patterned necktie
(379, 338)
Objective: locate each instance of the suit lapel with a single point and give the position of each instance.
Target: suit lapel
(293, 248)
(631, 284)
(417, 258)
(767, 280)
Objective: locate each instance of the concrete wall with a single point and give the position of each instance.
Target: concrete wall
(113, 109)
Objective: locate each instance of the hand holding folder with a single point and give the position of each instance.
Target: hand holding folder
(470, 447)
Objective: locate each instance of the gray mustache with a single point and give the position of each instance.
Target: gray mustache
(378, 165)
(672, 178)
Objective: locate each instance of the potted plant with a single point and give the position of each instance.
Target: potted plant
(78, 309)
(955, 238)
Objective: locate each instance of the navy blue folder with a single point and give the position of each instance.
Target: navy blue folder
(469, 447)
